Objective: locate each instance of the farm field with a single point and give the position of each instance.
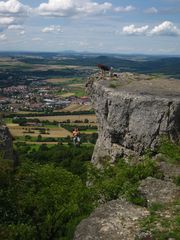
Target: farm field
(58, 80)
(40, 143)
(77, 107)
(69, 94)
(77, 85)
(71, 118)
(18, 131)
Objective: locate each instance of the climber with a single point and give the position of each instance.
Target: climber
(76, 137)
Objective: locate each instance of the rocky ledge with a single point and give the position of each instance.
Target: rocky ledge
(115, 220)
(133, 111)
(120, 220)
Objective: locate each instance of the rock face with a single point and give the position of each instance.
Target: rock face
(159, 191)
(133, 111)
(115, 220)
(6, 147)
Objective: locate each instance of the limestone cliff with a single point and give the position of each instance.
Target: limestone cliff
(133, 111)
(6, 146)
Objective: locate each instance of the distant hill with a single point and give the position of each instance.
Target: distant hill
(132, 63)
(163, 65)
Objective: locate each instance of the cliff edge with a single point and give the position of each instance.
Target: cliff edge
(133, 111)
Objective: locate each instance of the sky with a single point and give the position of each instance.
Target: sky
(103, 26)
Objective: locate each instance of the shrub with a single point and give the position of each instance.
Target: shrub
(122, 179)
(170, 150)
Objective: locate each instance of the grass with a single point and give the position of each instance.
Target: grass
(121, 180)
(79, 92)
(89, 131)
(48, 126)
(163, 221)
(73, 92)
(170, 150)
(7, 120)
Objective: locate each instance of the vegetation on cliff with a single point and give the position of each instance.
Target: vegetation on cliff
(47, 195)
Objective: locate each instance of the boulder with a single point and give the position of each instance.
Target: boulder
(159, 191)
(116, 220)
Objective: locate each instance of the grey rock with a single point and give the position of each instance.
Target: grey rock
(116, 220)
(170, 171)
(134, 113)
(159, 191)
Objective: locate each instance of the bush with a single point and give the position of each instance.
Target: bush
(69, 157)
(122, 179)
(170, 150)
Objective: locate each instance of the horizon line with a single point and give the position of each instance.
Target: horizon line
(87, 52)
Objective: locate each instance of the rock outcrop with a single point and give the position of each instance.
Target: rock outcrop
(6, 144)
(159, 191)
(115, 220)
(133, 111)
(120, 220)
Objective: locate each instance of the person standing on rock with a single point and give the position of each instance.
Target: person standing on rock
(104, 69)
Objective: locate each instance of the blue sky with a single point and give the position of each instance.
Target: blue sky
(127, 26)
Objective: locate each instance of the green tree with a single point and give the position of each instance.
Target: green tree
(43, 202)
(86, 120)
(28, 138)
(39, 138)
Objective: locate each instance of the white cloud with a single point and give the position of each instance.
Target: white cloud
(12, 12)
(13, 7)
(151, 10)
(4, 21)
(15, 27)
(133, 30)
(63, 8)
(22, 32)
(3, 37)
(124, 9)
(52, 29)
(166, 28)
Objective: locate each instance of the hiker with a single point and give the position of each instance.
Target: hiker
(76, 137)
(104, 69)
